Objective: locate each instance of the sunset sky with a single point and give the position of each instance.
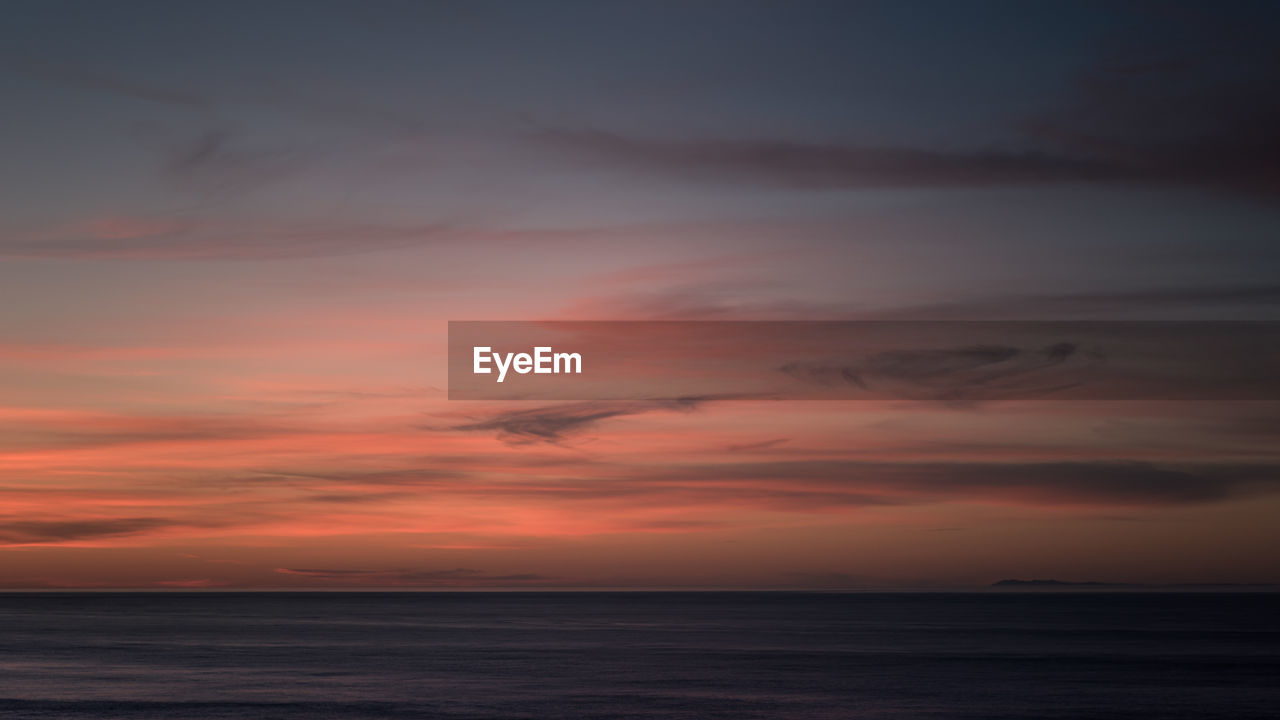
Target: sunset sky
(233, 234)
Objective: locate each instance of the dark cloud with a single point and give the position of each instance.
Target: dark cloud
(553, 423)
(196, 240)
(406, 478)
(1048, 483)
(1185, 102)
(979, 372)
(742, 303)
(705, 301)
(401, 576)
(221, 161)
(326, 572)
(802, 165)
(32, 532)
(762, 445)
(121, 430)
(1189, 103)
(811, 485)
(357, 498)
(1093, 304)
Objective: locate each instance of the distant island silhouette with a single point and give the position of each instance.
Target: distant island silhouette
(1015, 583)
(1056, 583)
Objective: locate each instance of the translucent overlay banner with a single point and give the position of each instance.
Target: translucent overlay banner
(955, 362)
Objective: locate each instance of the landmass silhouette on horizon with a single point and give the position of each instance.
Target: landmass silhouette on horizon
(1016, 583)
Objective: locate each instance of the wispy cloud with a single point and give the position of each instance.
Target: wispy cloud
(753, 446)
(1101, 483)
(958, 374)
(409, 577)
(1151, 113)
(202, 239)
(42, 532)
(34, 429)
(797, 164)
(712, 301)
(555, 422)
(1108, 305)
(1176, 112)
(221, 161)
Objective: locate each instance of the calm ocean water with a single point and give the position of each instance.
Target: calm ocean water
(639, 655)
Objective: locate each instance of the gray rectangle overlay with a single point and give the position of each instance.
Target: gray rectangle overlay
(956, 362)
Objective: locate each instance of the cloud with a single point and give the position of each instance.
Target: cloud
(400, 576)
(976, 372)
(26, 429)
(403, 478)
(703, 301)
(192, 583)
(356, 498)
(222, 161)
(752, 446)
(743, 301)
(660, 497)
(41, 532)
(1075, 305)
(194, 239)
(553, 423)
(787, 163)
(818, 483)
(1189, 103)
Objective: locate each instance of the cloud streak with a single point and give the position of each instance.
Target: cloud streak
(49, 532)
(794, 164)
(1101, 483)
(406, 577)
(986, 372)
(148, 239)
(1263, 297)
(1156, 115)
(555, 423)
(1177, 114)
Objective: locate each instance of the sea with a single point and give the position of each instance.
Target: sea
(731, 655)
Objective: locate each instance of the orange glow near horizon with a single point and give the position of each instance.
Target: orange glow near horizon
(335, 484)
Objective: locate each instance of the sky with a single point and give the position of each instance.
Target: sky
(232, 236)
